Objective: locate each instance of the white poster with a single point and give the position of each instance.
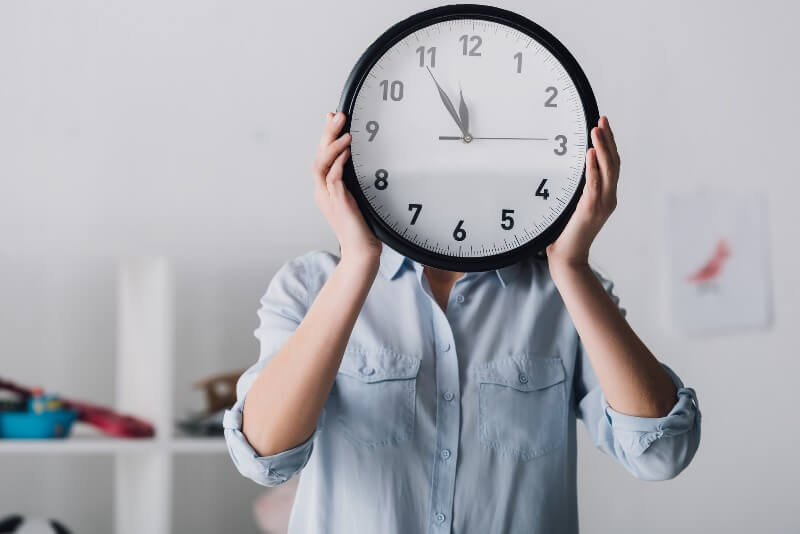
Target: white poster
(719, 278)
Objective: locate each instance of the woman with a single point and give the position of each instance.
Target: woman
(421, 400)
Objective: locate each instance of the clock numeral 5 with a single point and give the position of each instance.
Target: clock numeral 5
(416, 208)
(459, 234)
(393, 90)
(542, 191)
(507, 220)
(477, 42)
(381, 179)
(562, 145)
(431, 52)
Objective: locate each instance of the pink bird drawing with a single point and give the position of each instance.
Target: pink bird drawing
(713, 267)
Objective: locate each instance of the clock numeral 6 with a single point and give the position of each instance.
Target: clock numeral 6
(381, 179)
(553, 94)
(372, 129)
(562, 145)
(393, 90)
(542, 191)
(477, 42)
(416, 208)
(459, 234)
(431, 52)
(507, 220)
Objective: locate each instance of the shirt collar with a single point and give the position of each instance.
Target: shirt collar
(392, 262)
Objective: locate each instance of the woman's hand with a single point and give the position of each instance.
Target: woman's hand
(357, 241)
(596, 204)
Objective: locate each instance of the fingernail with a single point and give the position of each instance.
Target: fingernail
(335, 117)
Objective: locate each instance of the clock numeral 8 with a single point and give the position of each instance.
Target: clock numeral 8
(381, 179)
(459, 234)
(562, 145)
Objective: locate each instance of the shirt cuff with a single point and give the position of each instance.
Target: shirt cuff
(638, 433)
(269, 470)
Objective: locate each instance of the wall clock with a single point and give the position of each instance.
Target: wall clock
(470, 127)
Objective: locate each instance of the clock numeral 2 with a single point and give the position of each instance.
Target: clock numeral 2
(459, 234)
(431, 52)
(416, 208)
(477, 42)
(507, 220)
(393, 90)
(549, 102)
(542, 191)
(381, 179)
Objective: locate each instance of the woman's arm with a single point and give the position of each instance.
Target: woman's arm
(285, 401)
(632, 380)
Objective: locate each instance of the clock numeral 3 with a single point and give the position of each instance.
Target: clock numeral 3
(562, 145)
(381, 179)
(393, 90)
(431, 52)
(416, 208)
(553, 94)
(372, 129)
(477, 42)
(459, 234)
(542, 191)
(507, 220)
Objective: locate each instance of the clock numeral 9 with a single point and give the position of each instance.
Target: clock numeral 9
(459, 234)
(562, 145)
(542, 191)
(431, 52)
(507, 220)
(553, 94)
(477, 42)
(393, 90)
(372, 129)
(416, 208)
(381, 179)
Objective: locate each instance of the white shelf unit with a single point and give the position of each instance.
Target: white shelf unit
(144, 383)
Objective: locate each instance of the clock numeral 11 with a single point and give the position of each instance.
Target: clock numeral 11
(431, 52)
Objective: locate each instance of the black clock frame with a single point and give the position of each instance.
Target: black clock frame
(397, 33)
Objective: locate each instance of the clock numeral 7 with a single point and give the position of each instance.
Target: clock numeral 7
(416, 208)
(459, 234)
(381, 179)
(507, 220)
(431, 52)
(542, 191)
(477, 42)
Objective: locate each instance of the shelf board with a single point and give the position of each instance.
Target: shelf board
(107, 445)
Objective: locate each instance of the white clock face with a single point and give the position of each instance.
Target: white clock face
(469, 138)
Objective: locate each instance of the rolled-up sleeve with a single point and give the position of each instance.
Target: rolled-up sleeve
(283, 306)
(649, 448)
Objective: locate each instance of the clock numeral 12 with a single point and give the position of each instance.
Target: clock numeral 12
(459, 234)
(431, 52)
(507, 220)
(416, 208)
(542, 191)
(476, 39)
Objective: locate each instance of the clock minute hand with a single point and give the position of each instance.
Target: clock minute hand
(447, 103)
(455, 138)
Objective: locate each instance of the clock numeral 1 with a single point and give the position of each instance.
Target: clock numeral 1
(542, 191)
(507, 220)
(416, 208)
(518, 57)
(554, 93)
(393, 90)
(381, 179)
(562, 145)
(372, 129)
(459, 234)
(431, 52)
(477, 42)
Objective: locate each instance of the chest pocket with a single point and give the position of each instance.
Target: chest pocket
(373, 401)
(522, 405)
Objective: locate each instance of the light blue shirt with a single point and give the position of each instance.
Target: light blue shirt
(451, 421)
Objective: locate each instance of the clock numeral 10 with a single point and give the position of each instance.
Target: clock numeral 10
(431, 52)
(507, 221)
(416, 208)
(476, 43)
(459, 234)
(542, 191)
(381, 179)
(393, 90)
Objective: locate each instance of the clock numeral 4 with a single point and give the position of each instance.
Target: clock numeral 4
(561, 149)
(381, 179)
(372, 129)
(553, 94)
(393, 90)
(542, 191)
(507, 221)
(431, 52)
(459, 234)
(416, 208)
(476, 43)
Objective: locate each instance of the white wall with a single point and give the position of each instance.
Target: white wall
(187, 128)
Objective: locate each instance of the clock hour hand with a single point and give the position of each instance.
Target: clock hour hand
(457, 138)
(448, 104)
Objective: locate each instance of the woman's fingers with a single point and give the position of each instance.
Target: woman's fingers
(603, 154)
(329, 153)
(592, 187)
(334, 178)
(333, 126)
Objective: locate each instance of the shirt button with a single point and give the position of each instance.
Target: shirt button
(367, 371)
(445, 347)
(523, 378)
(460, 299)
(440, 517)
(448, 395)
(445, 453)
